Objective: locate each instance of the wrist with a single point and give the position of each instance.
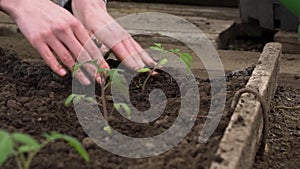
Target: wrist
(9, 7)
(101, 2)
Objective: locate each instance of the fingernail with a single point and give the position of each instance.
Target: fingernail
(85, 81)
(98, 79)
(135, 68)
(154, 73)
(62, 72)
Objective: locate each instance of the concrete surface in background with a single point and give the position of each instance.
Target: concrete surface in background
(289, 41)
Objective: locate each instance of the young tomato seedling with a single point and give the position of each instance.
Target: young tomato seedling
(108, 76)
(150, 71)
(184, 57)
(24, 147)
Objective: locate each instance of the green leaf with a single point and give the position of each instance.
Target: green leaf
(118, 106)
(75, 68)
(186, 58)
(101, 70)
(73, 142)
(26, 149)
(175, 51)
(156, 48)
(94, 62)
(144, 70)
(126, 108)
(158, 45)
(90, 99)
(80, 64)
(51, 137)
(120, 85)
(26, 140)
(107, 129)
(77, 99)
(69, 100)
(6, 147)
(118, 80)
(114, 73)
(163, 61)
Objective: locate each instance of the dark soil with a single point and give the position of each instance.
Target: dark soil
(284, 134)
(248, 43)
(32, 101)
(249, 37)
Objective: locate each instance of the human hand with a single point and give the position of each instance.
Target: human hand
(93, 15)
(48, 27)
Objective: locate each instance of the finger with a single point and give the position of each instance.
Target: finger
(79, 52)
(127, 43)
(84, 48)
(49, 58)
(142, 53)
(120, 41)
(112, 35)
(89, 45)
(104, 50)
(95, 53)
(124, 56)
(139, 54)
(67, 59)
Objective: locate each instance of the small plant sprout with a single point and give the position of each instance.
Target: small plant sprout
(124, 106)
(159, 47)
(144, 70)
(24, 147)
(184, 57)
(76, 98)
(108, 76)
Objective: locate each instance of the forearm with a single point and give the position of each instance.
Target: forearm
(10, 7)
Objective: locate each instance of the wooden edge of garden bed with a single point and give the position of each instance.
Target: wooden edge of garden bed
(238, 147)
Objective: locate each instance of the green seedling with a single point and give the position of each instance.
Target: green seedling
(184, 57)
(24, 147)
(144, 70)
(124, 106)
(76, 98)
(108, 76)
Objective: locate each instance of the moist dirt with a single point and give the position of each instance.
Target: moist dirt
(32, 101)
(284, 134)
